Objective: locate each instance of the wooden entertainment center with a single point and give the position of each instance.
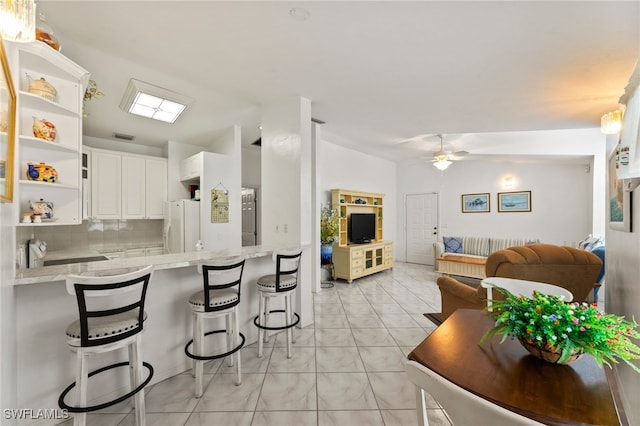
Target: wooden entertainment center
(351, 261)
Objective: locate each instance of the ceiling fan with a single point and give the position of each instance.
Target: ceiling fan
(443, 159)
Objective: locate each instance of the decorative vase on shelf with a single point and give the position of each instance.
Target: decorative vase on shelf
(43, 88)
(41, 172)
(326, 254)
(43, 129)
(43, 208)
(44, 33)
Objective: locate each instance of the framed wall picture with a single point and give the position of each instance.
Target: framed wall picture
(476, 203)
(619, 205)
(514, 201)
(7, 128)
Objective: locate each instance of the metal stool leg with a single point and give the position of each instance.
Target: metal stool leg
(266, 317)
(136, 360)
(291, 298)
(236, 339)
(198, 343)
(132, 372)
(229, 335)
(194, 362)
(82, 373)
(287, 320)
(261, 321)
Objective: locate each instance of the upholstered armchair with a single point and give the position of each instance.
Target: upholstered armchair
(568, 267)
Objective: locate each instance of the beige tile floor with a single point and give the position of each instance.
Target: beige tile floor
(347, 368)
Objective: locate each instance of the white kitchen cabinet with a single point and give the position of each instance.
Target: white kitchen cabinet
(191, 168)
(106, 185)
(156, 187)
(134, 186)
(34, 61)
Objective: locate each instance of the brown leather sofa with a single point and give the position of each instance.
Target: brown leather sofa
(568, 267)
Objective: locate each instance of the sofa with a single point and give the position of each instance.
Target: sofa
(466, 256)
(572, 268)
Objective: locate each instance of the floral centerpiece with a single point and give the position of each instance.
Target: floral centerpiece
(549, 324)
(328, 232)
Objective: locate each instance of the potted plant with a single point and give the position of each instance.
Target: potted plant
(561, 332)
(328, 233)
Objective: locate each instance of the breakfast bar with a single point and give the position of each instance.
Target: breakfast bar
(43, 309)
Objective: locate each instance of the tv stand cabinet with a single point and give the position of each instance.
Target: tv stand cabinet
(359, 260)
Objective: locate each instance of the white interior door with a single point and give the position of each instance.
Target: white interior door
(422, 227)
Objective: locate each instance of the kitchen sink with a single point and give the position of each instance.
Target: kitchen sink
(74, 260)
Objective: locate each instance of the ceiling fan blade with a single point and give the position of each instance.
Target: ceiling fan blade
(461, 153)
(417, 138)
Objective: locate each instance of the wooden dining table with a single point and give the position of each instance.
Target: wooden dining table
(507, 375)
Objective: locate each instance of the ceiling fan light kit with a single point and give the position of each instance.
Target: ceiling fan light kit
(442, 159)
(442, 164)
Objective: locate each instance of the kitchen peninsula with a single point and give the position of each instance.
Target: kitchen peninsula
(44, 309)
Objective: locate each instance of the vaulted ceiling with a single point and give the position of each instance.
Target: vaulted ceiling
(378, 73)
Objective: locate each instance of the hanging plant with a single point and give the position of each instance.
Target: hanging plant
(91, 92)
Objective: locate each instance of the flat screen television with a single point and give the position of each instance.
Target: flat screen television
(362, 227)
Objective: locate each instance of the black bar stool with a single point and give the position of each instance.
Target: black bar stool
(111, 309)
(283, 283)
(220, 296)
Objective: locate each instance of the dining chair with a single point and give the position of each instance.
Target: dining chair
(522, 288)
(463, 407)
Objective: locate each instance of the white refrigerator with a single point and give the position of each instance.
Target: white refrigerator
(181, 225)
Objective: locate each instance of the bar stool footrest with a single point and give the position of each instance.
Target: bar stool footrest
(210, 357)
(118, 400)
(264, 327)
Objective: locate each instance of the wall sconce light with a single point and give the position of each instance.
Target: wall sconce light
(611, 122)
(18, 20)
(507, 182)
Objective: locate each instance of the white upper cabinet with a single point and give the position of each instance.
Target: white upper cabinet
(127, 186)
(106, 185)
(133, 188)
(156, 187)
(31, 62)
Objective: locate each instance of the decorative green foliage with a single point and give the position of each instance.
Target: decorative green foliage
(552, 324)
(90, 93)
(328, 225)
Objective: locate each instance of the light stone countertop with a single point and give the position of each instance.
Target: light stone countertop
(47, 274)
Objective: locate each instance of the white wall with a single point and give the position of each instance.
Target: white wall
(622, 266)
(567, 200)
(287, 189)
(8, 342)
(344, 168)
(560, 197)
(251, 168)
(222, 171)
(281, 172)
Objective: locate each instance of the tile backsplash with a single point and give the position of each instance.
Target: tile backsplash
(95, 234)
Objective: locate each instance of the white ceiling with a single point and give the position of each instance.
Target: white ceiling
(376, 72)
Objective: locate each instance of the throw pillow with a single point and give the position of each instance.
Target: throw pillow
(452, 244)
(590, 243)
